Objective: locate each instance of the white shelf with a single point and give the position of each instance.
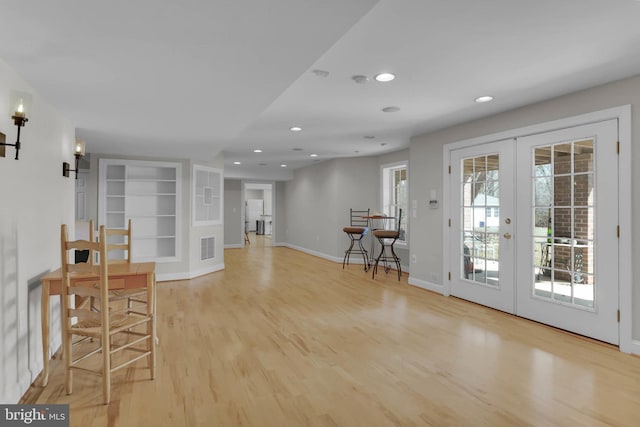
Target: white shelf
(148, 194)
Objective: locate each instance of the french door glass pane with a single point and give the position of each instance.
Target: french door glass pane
(480, 219)
(563, 238)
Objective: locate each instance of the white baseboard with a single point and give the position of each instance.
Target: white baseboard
(635, 347)
(430, 286)
(234, 246)
(316, 253)
(190, 274)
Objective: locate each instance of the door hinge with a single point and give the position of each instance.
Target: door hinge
(618, 231)
(449, 169)
(618, 147)
(618, 316)
(449, 222)
(449, 275)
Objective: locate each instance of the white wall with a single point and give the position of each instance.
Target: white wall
(318, 199)
(425, 167)
(34, 200)
(233, 202)
(196, 233)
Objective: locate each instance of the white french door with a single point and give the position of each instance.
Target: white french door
(567, 274)
(482, 248)
(533, 227)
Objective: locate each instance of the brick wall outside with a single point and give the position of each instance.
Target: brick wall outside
(582, 219)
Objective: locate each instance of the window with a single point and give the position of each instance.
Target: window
(395, 195)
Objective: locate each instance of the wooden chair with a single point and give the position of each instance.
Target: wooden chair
(115, 331)
(356, 231)
(119, 242)
(387, 239)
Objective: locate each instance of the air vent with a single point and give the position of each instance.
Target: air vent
(207, 248)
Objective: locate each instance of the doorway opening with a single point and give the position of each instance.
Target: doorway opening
(259, 216)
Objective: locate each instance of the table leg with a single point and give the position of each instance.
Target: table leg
(44, 307)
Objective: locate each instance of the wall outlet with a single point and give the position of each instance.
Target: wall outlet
(414, 259)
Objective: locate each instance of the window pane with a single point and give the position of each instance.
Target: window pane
(562, 191)
(583, 156)
(562, 159)
(583, 224)
(480, 168)
(583, 192)
(542, 165)
(542, 190)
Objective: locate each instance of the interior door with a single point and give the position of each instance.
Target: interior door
(482, 223)
(567, 202)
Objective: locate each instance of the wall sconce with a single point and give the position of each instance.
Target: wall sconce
(20, 104)
(78, 152)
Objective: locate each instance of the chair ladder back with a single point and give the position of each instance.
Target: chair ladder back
(358, 217)
(125, 246)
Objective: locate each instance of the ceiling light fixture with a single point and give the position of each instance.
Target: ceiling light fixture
(237, 163)
(297, 149)
(257, 150)
(486, 98)
(369, 137)
(321, 73)
(385, 77)
(295, 128)
(262, 164)
(390, 109)
(360, 79)
(283, 165)
(313, 155)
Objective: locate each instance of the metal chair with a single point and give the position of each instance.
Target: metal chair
(356, 232)
(387, 239)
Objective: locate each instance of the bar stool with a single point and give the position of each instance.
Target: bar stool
(356, 231)
(387, 239)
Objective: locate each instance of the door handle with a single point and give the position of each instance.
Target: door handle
(507, 235)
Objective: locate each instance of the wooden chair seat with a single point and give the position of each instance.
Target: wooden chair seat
(386, 234)
(354, 230)
(118, 323)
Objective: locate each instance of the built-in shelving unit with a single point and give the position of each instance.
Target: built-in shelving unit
(148, 193)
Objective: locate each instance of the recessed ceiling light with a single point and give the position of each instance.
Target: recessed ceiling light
(283, 165)
(257, 150)
(297, 149)
(360, 79)
(237, 163)
(262, 164)
(486, 98)
(321, 73)
(295, 128)
(369, 137)
(385, 77)
(313, 155)
(391, 109)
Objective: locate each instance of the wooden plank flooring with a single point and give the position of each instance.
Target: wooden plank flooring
(281, 338)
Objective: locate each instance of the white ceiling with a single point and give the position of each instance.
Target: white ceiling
(192, 78)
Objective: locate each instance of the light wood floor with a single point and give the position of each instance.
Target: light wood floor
(281, 338)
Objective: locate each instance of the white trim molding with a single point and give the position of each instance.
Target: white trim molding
(166, 277)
